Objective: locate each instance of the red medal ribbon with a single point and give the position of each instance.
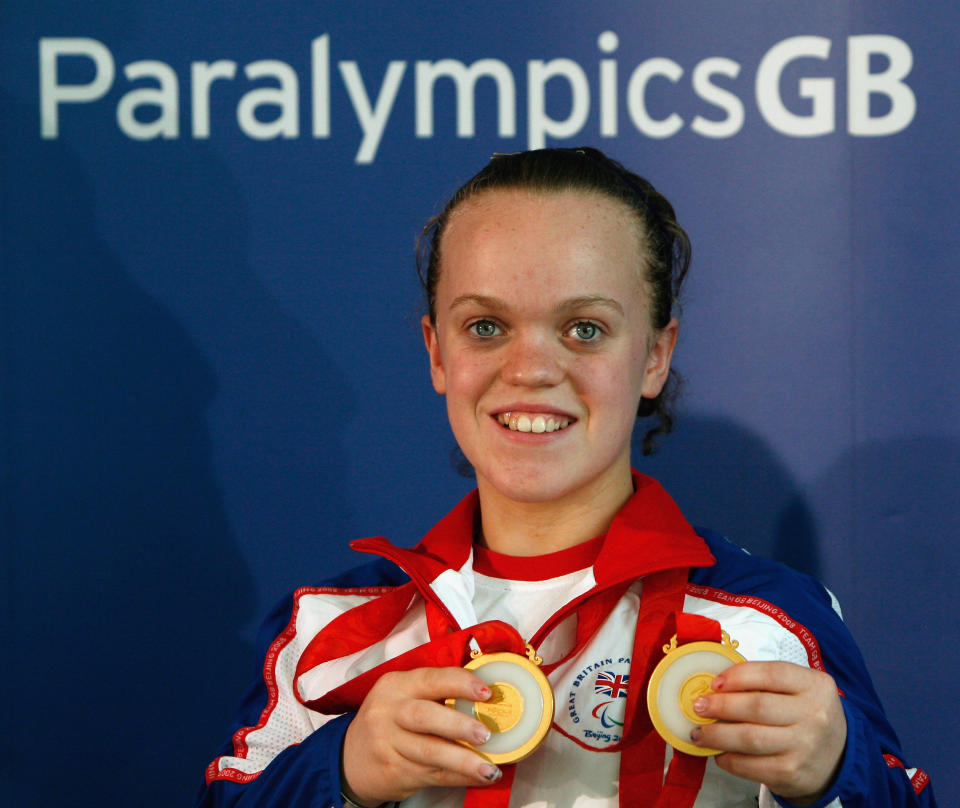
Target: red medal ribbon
(641, 761)
(648, 540)
(446, 651)
(696, 628)
(643, 750)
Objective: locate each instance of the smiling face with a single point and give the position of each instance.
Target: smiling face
(542, 342)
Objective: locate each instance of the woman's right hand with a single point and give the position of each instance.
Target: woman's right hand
(403, 738)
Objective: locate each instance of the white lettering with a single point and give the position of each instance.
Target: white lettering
(539, 124)
(465, 79)
(861, 83)
(52, 93)
(820, 91)
(372, 119)
(166, 97)
(286, 97)
(637, 102)
(202, 75)
(608, 42)
(717, 96)
(320, 62)
(81, 70)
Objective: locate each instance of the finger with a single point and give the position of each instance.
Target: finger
(436, 684)
(743, 739)
(430, 718)
(773, 709)
(784, 774)
(773, 677)
(771, 769)
(445, 763)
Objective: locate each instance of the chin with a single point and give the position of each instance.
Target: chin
(533, 485)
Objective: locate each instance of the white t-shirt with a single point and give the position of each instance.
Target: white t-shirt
(560, 772)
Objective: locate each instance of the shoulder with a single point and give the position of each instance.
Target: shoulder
(738, 571)
(780, 614)
(377, 573)
(793, 617)
(329, 597)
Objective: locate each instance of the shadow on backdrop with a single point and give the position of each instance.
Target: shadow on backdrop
(879, 526)
(895, 549)
(126, 589)
(726, 478)
(123, 568)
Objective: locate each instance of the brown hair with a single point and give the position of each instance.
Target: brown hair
(667, 254)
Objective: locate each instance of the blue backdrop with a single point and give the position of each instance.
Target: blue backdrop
(212, 372)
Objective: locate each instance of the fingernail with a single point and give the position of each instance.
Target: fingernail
(695, 734)
(481, 735)
(484, 692)
(700, 705)
(490, 773)
(717, 683)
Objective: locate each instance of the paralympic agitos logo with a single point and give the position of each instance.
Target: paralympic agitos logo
(597, 701)
(158, 102)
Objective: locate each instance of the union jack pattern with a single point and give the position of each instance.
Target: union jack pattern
(611, 684)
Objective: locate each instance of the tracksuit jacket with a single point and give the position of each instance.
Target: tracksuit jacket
(282, 752)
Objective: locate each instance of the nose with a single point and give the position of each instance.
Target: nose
(532, 360)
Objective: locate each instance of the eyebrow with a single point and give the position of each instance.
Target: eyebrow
(571, 304)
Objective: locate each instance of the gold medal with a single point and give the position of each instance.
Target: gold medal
(520, 711)
(682, 675)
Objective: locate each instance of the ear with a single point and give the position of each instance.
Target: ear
(658, 360)
(432, 340)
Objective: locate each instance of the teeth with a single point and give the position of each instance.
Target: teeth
(538, 424)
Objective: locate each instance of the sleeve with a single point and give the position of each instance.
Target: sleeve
(872, 774)
(304, 775)
(277, 754)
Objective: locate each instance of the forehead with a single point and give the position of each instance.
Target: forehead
(558, 238)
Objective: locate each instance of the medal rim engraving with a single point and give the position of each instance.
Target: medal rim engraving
(673, 654)
(546, 719)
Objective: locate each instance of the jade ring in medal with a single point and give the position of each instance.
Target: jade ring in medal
(520, 711)
(682, 675)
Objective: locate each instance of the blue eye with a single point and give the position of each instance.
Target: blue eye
(585, 330)
(485, 328)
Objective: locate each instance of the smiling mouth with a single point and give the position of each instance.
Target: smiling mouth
(533, 422)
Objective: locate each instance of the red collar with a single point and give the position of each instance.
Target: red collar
(649, 534)
(537, 568)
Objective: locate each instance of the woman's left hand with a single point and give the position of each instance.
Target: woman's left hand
(779, 724)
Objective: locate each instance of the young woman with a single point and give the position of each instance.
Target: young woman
(551, 278)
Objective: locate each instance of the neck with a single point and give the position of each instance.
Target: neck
(536, 528)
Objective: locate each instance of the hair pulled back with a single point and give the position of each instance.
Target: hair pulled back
(666, 247)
